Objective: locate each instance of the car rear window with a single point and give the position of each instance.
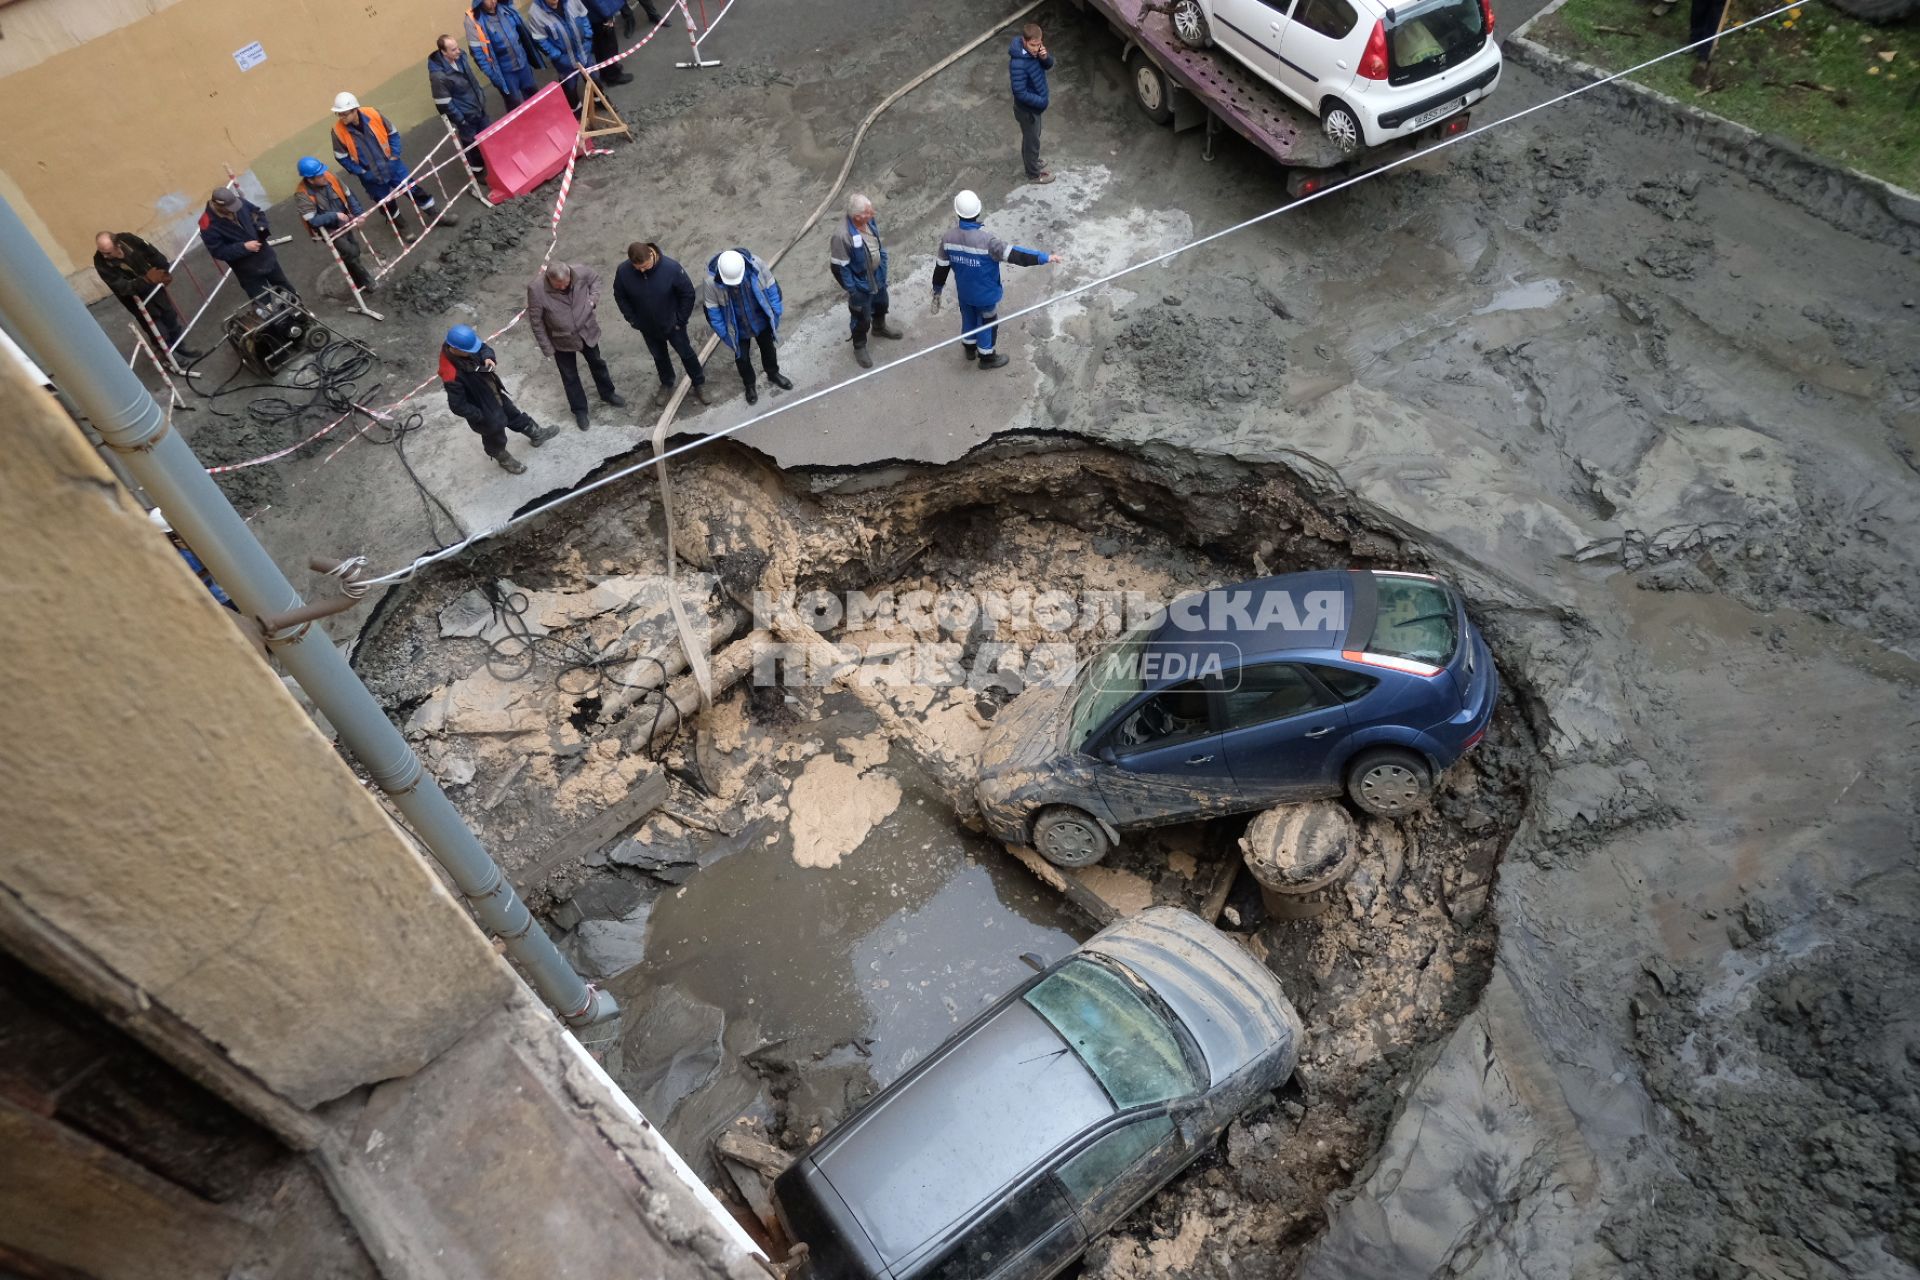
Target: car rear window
(1425, 38)
(1334, 18)
(1415, 619)
(1125, 1042)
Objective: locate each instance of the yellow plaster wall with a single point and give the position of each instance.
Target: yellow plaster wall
(169, 808)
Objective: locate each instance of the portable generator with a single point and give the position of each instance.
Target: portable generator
(268, 332)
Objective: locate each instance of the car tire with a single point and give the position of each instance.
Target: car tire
(1389, 782)
(1069, 837)
(1151, 90)
(1342, 127)
(1190, 27)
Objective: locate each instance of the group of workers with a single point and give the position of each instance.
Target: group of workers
(655, 295)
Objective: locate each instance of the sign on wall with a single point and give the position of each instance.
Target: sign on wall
(250, 57)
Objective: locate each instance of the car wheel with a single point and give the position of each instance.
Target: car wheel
(1151, 90)
(1389, 782)
(1190, 24)
(1069, 837)
(1342, 127)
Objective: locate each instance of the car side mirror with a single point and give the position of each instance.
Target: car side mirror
(1105, 753)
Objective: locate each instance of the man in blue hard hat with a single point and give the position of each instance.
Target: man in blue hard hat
(475, 392)
(326, 206)
(973, 254)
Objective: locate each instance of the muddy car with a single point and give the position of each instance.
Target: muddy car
(1051, 1116)
(1285, 689)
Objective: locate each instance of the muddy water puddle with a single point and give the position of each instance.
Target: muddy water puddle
(793, 990)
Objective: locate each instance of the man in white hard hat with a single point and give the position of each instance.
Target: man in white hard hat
(743, 306)
(371, 149)
(973, 254)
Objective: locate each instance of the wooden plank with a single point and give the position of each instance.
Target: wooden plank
(1224, 876)
(603, 828)
(753, 1151)
(1063, 879)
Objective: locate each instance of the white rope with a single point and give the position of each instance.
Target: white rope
(421, 562)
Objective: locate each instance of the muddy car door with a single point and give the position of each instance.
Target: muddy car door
(1161, 761)
(1109, 1177)
(1280, 731)
(1034, 1234)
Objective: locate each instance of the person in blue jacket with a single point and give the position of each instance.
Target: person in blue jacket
(235, 232)
(1028, 63)
(367, 145)
(858, 261)
(743, 305)
(973, 254)
(603, 14)
(503, 49)
(565, 34)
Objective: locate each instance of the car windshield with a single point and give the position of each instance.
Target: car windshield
(1415, 620)
(1105, 682)
(1127, 1044)
(1427, 37)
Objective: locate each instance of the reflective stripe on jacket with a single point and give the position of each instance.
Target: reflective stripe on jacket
(739, 311)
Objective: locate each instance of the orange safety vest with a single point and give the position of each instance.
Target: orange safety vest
(338, 190)
(345, 138)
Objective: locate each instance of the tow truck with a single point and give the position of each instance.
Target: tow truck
(1193, 89)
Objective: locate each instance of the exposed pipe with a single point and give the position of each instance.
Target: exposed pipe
(37, 304)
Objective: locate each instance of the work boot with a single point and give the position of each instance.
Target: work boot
(540, 435)
(969, 351)
(700, 393)
(615, 399)
(992, 360)
(448, 219)
(664, 394)
(860, 354)
(780, 380)
(580, 419)
(886, 330)
(753, 394)
(1042, 177)
(509, 464)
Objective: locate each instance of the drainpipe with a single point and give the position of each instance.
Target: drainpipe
(37, 304)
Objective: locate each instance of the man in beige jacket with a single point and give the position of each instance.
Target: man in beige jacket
(563, 312)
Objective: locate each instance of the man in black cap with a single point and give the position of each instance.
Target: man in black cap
(235, 231)
(138, 274)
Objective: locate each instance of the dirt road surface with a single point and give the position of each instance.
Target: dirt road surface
(1660, 423)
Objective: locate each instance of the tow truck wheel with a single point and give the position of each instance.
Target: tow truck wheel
(1151, 90)
(1069, 837)
(1341, 126)
(1190, 24)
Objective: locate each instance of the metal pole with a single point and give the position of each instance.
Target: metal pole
(36, 303)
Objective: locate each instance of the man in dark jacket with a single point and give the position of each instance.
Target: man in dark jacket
(565, 34)
(606, 41)
(136, 271)
(475, 392)
(1028, 63)
(563, 312)
(858, 261)
(655, 294)
(325, 205)
(235, 231)
(504, 49)
(457, 95)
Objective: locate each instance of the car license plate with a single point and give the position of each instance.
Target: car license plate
(1428, 117)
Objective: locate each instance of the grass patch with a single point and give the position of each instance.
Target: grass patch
(1838, 86)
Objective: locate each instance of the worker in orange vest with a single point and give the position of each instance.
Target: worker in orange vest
(325, 205)
(369, 148)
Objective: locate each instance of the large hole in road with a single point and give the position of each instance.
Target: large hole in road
(803, 912)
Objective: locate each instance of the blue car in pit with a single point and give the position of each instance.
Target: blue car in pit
(1290, 688)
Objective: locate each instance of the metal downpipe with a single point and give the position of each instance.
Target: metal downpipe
(59, 333)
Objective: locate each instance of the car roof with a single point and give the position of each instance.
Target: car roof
(995, 1102)
(1220, 622)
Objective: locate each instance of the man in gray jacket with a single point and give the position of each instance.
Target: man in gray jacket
(563, 312)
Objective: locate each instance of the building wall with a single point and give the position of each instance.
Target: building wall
(121, 113)
(171, 810)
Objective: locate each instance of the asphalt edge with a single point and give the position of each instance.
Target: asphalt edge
(1846, 198)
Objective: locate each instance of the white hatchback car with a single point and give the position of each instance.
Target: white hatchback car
(1370, 71)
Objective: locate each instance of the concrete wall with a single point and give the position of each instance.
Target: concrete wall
(171, 810)
(121, 113)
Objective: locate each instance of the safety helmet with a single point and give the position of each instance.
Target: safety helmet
(462, 338)
(344, 101)
(967, 205)
(310, 167)
(733, 268)
(160, 521)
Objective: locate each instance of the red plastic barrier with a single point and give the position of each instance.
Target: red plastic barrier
(530, 145)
